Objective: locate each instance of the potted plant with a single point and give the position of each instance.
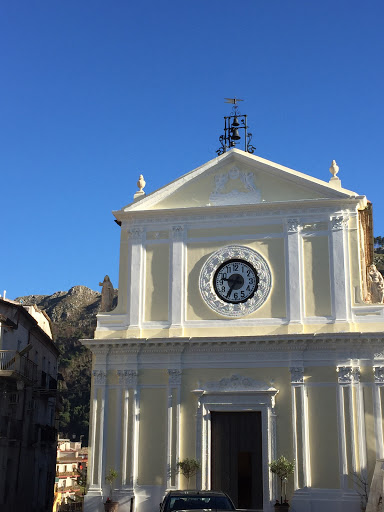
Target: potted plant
(188, 468)
(110, 505)
(282, 468)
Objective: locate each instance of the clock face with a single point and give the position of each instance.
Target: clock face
(235, 281)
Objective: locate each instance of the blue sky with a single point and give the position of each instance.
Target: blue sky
(93, 93)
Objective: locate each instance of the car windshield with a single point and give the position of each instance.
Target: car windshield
(200, 502)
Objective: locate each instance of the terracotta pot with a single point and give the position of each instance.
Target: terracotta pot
(111, 506)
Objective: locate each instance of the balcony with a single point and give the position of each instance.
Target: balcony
(16, 366)
(47, 385)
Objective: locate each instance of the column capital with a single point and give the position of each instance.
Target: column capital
(99, 377)
(348, 374)
(174, 376)
(378, 372)
(128, 377)
(293, 225)
(177, 232)
(339, 222)
(297, 375)
(135, 233)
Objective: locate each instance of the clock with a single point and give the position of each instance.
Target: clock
(235, 281)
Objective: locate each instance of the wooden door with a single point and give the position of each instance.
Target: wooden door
(236, 457)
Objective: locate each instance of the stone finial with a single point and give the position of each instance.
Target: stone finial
(141, 183)
(335, 180)
(140, 193)
(334, 169)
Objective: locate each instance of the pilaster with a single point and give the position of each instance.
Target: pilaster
(300, 428)
(348, 376)
(173, 441)
(294, 280)
(339, 266)
(378, 372)
(136, 280)
(177, 280)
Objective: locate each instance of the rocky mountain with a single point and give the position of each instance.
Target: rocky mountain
(73, 316)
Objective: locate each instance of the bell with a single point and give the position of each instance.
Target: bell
(235, 122)
(235, 134)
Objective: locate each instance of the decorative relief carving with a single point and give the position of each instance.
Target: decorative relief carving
(297, 375)
(206, 281)
(223, 194)
(339, 222)
(238, 383)
(177, 232)
(135, 233)
(378, 372)
(128, 377)
(174, 376)
(348, 374)
(293, 225)
(99, 377)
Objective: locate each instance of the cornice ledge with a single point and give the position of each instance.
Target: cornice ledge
(313, 342)
(321, 205)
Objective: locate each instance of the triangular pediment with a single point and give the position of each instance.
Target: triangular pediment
(239, 178)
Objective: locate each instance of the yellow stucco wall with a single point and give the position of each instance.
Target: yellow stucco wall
(316, 277)
(153, 436)
(322, 412)
(157, 282)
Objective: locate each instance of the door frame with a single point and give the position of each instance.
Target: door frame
(237, 394)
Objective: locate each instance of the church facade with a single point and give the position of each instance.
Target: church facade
(249, 325)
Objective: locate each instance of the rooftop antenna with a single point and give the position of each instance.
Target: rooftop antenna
(232, 124)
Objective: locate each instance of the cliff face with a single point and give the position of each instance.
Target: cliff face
(73, 316)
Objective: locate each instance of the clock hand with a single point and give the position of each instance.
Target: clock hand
(235, 282)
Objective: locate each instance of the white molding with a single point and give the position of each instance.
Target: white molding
(177, 277)
(294, 271)
(236, 394)
(136, 279)
(339, 253)
(214, 261)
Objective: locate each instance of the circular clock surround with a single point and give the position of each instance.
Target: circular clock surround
(215, 292)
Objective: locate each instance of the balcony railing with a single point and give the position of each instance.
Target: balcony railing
(14, 364)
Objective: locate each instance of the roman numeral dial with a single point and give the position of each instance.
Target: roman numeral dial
(235, 281)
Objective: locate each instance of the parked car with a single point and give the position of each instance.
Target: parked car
(196, 500)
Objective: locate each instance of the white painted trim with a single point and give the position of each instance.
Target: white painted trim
(237, 401)
(92, 482)
(378, 420)
(125, 437)
(343, 462)
(294, 273)
(241, 158)
(307, 475)
(294, 432)
(362, 444)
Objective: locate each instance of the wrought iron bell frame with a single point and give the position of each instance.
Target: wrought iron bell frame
(231, 136)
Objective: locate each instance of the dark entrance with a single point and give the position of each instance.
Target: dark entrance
(236, 464)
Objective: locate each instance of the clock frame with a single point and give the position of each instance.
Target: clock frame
(211, 269)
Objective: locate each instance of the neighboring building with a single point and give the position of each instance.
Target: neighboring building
(28, 384)
(245, 329)
(71, 466)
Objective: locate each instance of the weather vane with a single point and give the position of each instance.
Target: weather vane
(232, 125)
